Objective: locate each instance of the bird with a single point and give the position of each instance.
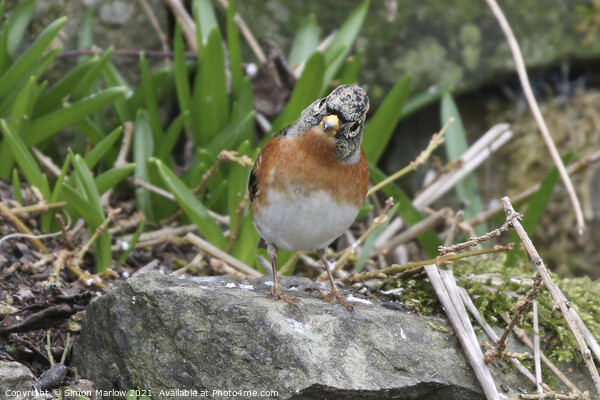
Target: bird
(309, 182)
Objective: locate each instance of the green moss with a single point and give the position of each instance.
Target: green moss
(477, 275)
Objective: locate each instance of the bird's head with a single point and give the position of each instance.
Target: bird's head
(341, 116)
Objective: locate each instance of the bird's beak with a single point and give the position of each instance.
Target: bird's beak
(330, 124)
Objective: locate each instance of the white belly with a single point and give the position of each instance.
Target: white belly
(303, 222)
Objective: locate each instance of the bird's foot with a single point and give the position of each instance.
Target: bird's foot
(278, 294)
(334, 296)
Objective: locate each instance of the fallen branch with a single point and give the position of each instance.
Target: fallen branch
(556, 295)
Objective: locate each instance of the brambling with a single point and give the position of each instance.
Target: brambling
(310, 181)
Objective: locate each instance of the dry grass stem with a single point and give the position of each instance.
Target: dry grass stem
(247, 33)
(454, 227)
(490, 332)
(524, 338)
(188, 26)
(535, 109)
(554, 395)
(436, 140)
(239, 212)
(41, 207)
(415, 230)
(153, 236)
(128, 129)
(164, 39)
(395, 268)
(475, 155)
(99, 230)
(447, 291)
(220, 254)
(10, 217)
(474, 241)
(536, 348)
(46, 162)
(556, 295)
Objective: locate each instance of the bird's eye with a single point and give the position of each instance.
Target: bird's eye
(355, 126)
(322, 102)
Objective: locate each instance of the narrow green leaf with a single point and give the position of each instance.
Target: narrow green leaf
(232, 135)
(171, 136)
(370, 242)
(30, 56)
(347, 32)
(18, 20)
(192, 207)
(21, 108)
(54, 96)
(91, 131)
(349, 75)
(245, 248)
(131, 244)
(536, 207)
(109, 179)
(34, 71)
(238, 183)
(47, 125)
(25, 160)
(456, 145)
(86, 181)
(210, 95)
(305, 41)
(101, 149)
(5, 59)
(235, 50)
(16, 181)
(90, 78)
(150, 103)
(143, 149)
(180, 70)
(205, 18)
(306, 91)
(381, 126)
(428, 239)
(420, 100)
(112, 78)
(85, 39)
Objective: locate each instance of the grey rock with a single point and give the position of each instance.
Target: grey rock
(16, 381)
(158, 332)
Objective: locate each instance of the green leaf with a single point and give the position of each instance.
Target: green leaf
(381, 126)
(535, 209)
(235, 51)
(420, 100)
(349, 75)
(90, 78)
(347, 32)
(25, 160)
(150, 102)
(238, 183)
(86, 182)
(18, 20)
(47, 125)
(306, 91)
(54, 96)
(143, 149)
(456, 145)
(171, 136)
(5, 59)
(181, 73)
(231, 135)
(85, 39)
(305, 41)
(112, 78)
(370, 242)
(16, 181)
(428, 239)
(210, 93)
(109, 179)
(204, 16)
(30, 57)
(101, 149)
(192, 207)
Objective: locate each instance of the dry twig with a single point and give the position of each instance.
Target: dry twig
(556, 295)
(535, 109)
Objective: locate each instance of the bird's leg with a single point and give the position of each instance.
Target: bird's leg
(276, 291)
(334, 294)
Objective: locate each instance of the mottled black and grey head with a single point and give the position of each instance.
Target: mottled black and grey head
(340, 115)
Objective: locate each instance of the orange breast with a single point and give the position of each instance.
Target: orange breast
(306, 163)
